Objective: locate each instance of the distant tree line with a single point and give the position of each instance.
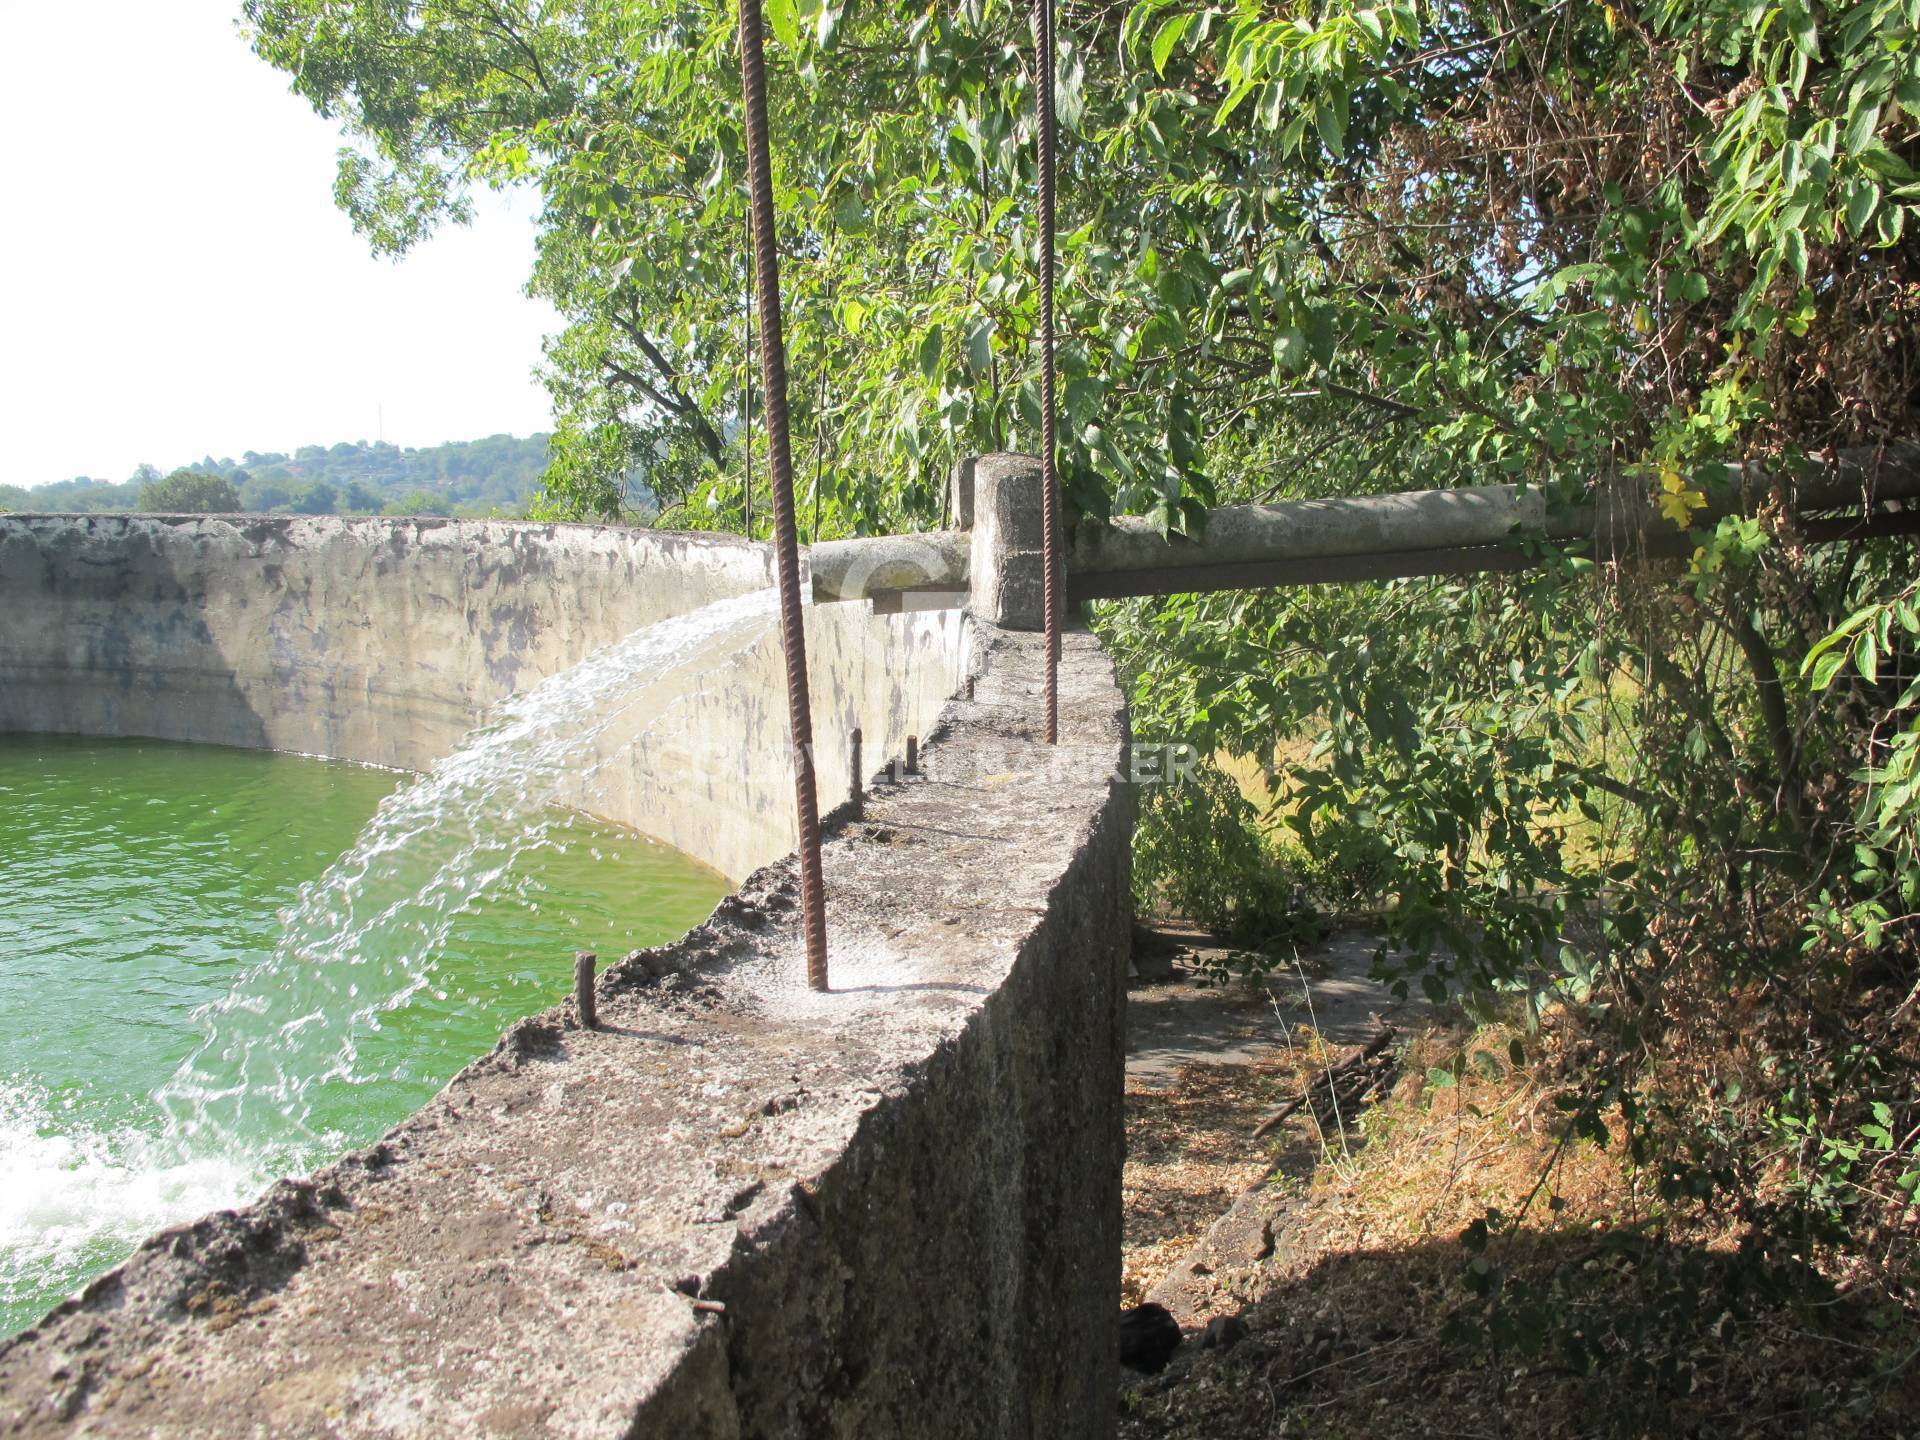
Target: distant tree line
(493, 476)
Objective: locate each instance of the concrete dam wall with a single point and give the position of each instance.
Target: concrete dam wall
(737, 1208)
(385, 641)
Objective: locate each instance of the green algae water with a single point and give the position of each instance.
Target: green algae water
(163, 1052)
(218, 967)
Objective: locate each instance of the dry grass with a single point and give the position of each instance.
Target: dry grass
(1598, 1315)
(1441, 1157)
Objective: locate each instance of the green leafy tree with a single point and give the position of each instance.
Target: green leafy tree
(189, 492)
(261, 492)
(362, 499)
(319, 498)
(420, 502)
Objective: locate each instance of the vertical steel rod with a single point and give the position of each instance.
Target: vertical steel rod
(745, 415)
(773, 394)
(746, 402)
(1044, 144)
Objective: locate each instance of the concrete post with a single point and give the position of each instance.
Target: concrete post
(1008, 542)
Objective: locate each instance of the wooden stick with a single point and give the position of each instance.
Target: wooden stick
(1278, 1116)
(1366, 1052)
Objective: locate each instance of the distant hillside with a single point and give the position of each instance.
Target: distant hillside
(494, 476)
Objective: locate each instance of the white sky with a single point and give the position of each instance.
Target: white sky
(177, 280)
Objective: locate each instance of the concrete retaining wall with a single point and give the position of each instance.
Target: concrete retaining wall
(737, 1209)
(384, 641)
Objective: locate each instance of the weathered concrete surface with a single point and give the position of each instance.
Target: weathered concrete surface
(377, 640)
(858, 569)
(1008, 563)
(905, 1193)
(705, 763)
(384, 641)
(1622, 519)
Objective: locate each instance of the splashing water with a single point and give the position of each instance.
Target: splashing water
(315, 1019)
(385, 974)
(77, 1196)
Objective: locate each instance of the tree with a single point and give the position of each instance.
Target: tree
(319, 498)
(420, 502)
(361, 500)
(261, 492)
(190, 492)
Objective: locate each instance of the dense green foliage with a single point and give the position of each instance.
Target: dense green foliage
(80, 495)
(188, 491)
(1313, 249)
(494, 476)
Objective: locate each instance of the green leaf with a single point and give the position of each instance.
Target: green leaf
(1862, 197)
(850, 213)
(828, 25)
(1082, 399)
(783, 18)
(1800, 28)
(1330, 118)
(1290, 352)
(1860, 129)
(1793, 249)
(1235, 97)
(1826, 667)
(980, 347)
(1166, 38)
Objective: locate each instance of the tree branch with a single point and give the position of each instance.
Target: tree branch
(675, 401)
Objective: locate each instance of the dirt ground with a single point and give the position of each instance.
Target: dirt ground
(1207, 1063)
(1432, 1257)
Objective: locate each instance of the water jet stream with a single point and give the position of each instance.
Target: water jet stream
(340, 1030)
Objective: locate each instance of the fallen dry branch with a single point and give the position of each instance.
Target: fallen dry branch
(1331, 1083)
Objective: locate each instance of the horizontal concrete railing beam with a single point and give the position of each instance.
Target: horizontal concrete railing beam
(883, 564)
(1378, 537)
(1196, 577)
(1463, 531)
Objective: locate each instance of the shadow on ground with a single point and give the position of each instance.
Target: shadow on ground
(1565, 1333)
(1597, 1329)
(1325, 988)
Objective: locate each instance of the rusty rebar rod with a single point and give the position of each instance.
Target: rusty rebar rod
(773, 397)
(1045, 145)
(583, 999)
